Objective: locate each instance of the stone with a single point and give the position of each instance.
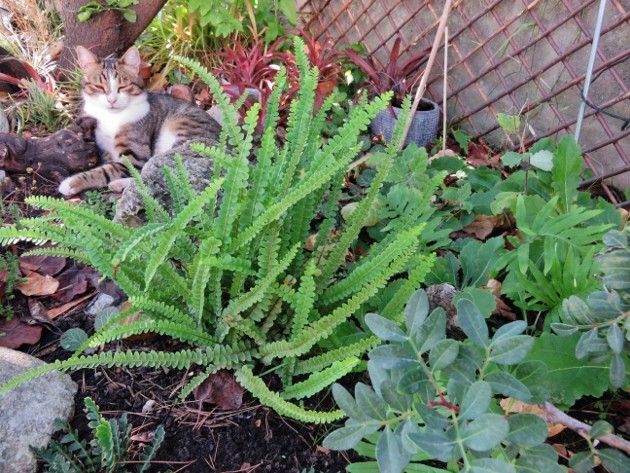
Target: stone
(28, 412)
(131, 211)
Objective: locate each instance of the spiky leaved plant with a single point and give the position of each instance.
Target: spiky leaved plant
(229, 274)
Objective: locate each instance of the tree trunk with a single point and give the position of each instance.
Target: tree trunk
(105, 33)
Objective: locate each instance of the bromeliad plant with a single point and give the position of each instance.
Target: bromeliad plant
(229, 274)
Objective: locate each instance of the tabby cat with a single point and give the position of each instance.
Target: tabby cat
(131, 122)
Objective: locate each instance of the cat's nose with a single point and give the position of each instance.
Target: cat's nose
(111, 100)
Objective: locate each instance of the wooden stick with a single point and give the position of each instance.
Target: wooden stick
(425, 76)
(444, 89)
(552, 414)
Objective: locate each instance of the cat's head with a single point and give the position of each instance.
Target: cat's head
(111, 83)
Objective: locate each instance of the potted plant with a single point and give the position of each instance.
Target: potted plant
(400, 77)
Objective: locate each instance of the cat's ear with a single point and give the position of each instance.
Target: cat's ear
(85, 57)
(132, 58)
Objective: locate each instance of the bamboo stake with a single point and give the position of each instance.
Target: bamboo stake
(425, 76)
(444, 89)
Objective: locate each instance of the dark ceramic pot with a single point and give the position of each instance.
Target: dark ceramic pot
(424, 127)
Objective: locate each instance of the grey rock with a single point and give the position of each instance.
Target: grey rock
(100, 302)
(131, 210)
(27, 413)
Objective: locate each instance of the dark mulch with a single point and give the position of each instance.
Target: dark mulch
(198, 438)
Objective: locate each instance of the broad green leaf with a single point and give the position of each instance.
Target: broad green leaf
(601, 428)
(527, 429)
(472, 323)
(390, 455)
(590, 342)
(542, 159)
(435, 443)
(416, 311)
(484, 300)
(369, 403)
(490, 465)
(509, 351)
(478, 259)
(563, 329)
(72, 339)
(614, 460)
(344, 438)
(432, 331)
(568, 378)
(582, 462)
(485, 432)
(510, 329)
(394, 356)
(346, 402)
(412, 381)
(385, 329)
(579, 312)
(616, 239)
(398, 401)
(507, 385)
(443, 354)
(527, 463)
(509, 123)
(566, 171)
(476, 400)
(617, 371)
(615, 267)
(615, 338)
(512, 159)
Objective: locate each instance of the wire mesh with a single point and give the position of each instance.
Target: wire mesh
(525, 57)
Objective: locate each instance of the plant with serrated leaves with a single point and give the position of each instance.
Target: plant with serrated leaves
(433, 398)
(604, 318)
(107, 452)
(229, 274)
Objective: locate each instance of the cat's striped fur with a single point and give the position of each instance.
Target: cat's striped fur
(131, 121)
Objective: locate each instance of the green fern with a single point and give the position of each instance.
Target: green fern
(227, 273)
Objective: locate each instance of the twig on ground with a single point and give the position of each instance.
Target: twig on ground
(552, 414)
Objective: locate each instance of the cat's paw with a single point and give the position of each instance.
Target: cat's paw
(66, 189)
(119, 185)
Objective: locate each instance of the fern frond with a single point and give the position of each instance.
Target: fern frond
(420, 266)
(369, 268)
(143, 233)
(185, 333)
(244, 302)
(228, 112)
(305, 299)
(60, 253)
(322, 328)
(236, 179)
(320, 380)
(85, 215)
(273, 103)
(167, 239)
(319, 362)
(354, 225)
(161, 310)
(257, 387)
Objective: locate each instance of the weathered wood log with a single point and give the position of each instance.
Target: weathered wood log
(54, 157)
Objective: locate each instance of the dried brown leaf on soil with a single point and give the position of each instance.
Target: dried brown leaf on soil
(514, 406)
(36, 284)
(74, 281)
(42, 264)
(222, 389)
(57, 311)
(482, 226)
(14, 333)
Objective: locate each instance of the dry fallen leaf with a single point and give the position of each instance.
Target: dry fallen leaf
(42, 264)
(14, 333)
(38, 285)
(222, 389)
(62, 309)
(510, 405)
(482, 226)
